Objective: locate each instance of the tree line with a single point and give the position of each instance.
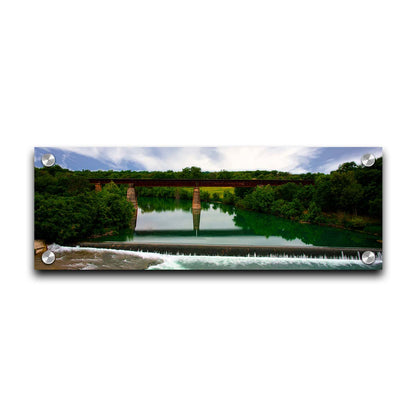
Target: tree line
(195, 172)
(351, 189)
(68, 209)
(350, 196)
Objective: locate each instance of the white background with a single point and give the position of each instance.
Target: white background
(207, 73)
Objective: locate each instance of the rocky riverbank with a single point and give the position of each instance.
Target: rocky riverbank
(73, 258)
(40, 246)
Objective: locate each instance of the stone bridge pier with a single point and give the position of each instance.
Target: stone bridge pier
(132, 197)
(196, 209)
(196, 200)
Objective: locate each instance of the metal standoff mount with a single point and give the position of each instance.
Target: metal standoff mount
(368, 160)
(48, 257)
(368, 257)
(48, 160)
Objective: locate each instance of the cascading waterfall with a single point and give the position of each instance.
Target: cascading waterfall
(86, 258)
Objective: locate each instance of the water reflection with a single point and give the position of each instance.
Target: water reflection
(196, 219)
(168, 204)
(174, 220)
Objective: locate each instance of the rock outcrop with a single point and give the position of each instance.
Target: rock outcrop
(40, 246)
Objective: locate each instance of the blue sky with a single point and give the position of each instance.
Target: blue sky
(294, 159)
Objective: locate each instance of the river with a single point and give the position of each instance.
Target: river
(169, 221)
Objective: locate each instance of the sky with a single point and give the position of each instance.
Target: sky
(294, 159)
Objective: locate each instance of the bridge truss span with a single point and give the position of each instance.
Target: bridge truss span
(196, 183)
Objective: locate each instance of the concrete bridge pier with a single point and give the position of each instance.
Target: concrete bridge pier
(132, 197)
(196, 200)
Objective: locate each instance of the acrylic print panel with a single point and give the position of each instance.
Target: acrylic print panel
(208, 208)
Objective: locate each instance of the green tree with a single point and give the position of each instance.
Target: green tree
(287, 191)
(191, 173)
(228, 198)
(242, 192)
(347, 167)
(347, 190)
(314, 214)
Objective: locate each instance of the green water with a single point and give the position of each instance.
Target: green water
(174, 221)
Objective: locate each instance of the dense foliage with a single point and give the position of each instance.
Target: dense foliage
(194, 173)
(68, 209)
(343, 197)
(351, 189)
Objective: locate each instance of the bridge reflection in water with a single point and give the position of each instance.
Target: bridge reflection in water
(225, 224)
(175, 221)
(176, 226)
(172, 218)
(189, 232)
(132, 183)
(196, 219)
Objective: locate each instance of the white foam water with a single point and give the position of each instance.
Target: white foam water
(190, 262)
(103, 258)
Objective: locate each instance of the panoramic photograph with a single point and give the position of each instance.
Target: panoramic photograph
(208, 208)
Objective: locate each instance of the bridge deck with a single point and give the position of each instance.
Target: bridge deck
(236, 183)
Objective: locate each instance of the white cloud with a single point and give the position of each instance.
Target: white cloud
(289, 159)
(293, 159)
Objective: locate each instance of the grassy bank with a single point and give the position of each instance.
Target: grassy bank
(214, 192)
